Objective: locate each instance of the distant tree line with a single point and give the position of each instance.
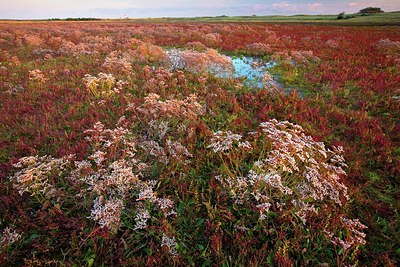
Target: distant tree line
(371, 10)
(363, 12)
(76, 19)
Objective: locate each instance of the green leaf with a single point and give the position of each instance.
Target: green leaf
(200, 222)
(270, 260)
(33, 236)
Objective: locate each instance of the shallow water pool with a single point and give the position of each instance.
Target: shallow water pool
(251, 69)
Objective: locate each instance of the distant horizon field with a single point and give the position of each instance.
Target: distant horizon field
(381, 19)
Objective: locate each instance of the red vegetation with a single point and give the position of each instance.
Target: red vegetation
(348, 80)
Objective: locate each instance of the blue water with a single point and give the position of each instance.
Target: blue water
(251, 70)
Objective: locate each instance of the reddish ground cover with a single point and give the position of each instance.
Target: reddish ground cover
(344, 91)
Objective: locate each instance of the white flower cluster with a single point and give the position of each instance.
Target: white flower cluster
(389, 46)
(223, 141)
(178, 151)
(198, 62)
(167, 206)
(146, 191)
(114, 175)
(269, 83)
(170, 243)
(322, 167)
(297, 174)
(157, 139)
(160, 129)
(153, 148)
(107, 214)
(8, 237)
(354, 235)
(35, 175)
(68, 47)
(116, 182)
(141, 219)
(155, 108)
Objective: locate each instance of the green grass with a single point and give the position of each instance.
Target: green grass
(382, 19)
(389, 18)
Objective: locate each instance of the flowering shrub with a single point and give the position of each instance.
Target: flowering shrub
(298, 180)
(208, 61)
(100, 86)
(212, 38)
(35, 176)
(258, 48)
(37, 76)
(389, 47)
(8, 237)
(74, 49)
(146, 52)
(33, 40)
(118, 62)
(269, 83)
(153, 107)
(114, 177)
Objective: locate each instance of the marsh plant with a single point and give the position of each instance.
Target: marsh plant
(116, 151)
(276, 175)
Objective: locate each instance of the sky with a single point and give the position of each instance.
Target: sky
(44, 9)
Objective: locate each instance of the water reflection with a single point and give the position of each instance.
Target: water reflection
(251, 69)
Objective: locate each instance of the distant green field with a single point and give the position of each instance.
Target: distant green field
(382, 19)
(389, 18)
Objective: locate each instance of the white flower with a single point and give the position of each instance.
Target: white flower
(9, 236)
(170, 243)
(245, 145)
(109, 214)
(141, 219)
(223, 141)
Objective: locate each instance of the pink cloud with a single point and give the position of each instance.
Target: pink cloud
(316, 7)
(353, 4)
(285, 7)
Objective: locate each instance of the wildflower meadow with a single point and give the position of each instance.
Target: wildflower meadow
(141, 144)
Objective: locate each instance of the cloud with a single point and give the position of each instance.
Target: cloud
(361, 4)
(353, 4)
(285, 7)
(298, 8)
(316, 7)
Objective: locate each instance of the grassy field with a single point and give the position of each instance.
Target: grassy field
(381, 19)
(389, 18)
